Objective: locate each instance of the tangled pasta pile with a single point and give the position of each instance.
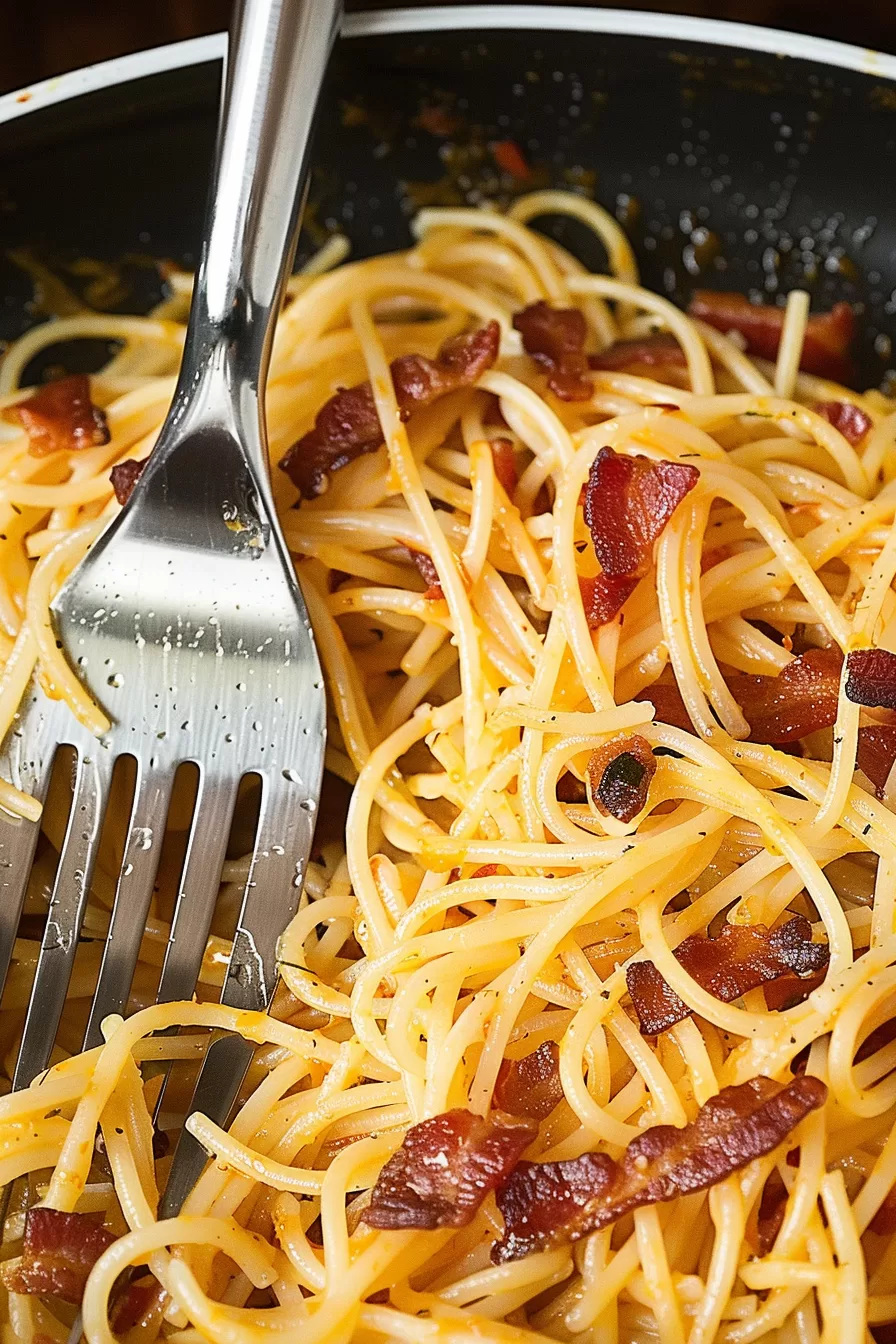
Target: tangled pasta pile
(585, 1031)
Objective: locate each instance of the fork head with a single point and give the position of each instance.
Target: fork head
(186, 624)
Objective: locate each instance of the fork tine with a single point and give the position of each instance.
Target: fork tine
(270, 898)
(198, 891)
(67, 904)
(133, 893)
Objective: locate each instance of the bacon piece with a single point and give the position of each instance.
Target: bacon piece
(60, 416)
(59, 1251)
(659, 357)
(628, 502)
(742, 957)
(444, 1169)
(668, 706)
(570, 789)
(136, 1302)
(549, 1203)
(604, 595)
(826, 344)
(871, 678)
(348, 426)
(505, 464)
(487, 870)
(531, 1086)
(124, 476)
(852, 422)
(877, 752)
(884, 1221)
(509, 158)
(770, 1214)
(428, 573)
(801, 699)
(619, 773)
(555, 338)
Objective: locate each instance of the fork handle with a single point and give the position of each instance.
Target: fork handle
(277, 56)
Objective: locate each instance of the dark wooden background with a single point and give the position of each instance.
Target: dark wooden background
(51, 36)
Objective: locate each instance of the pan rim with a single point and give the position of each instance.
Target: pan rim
(470, 18)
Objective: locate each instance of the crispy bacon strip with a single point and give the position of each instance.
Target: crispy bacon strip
(877, 752)
(59, 1251)
(769, 1216)
(444, 1169)
(60, 416)
(801, 699)
(547, 1204)
(531, 1086)
(428, 573)
(555, 338)
(619, 773)
(742, 957)
(871, 678)
(827, 341)
(852, 422)
(124, 476)
(628, 502)
(649, 351)
(667, 704)
(605, 595)
(505, 464)
(348, 425)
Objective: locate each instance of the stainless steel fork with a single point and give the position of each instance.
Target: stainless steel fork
(185, 620)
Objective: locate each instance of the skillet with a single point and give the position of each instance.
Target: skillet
(738, 158)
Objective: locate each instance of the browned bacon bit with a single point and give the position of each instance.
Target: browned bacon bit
(549, 1203)
(871, 678)
(487, 870)
(628, 502)
(741, 958)
(531, 1086)
(444, 1169)
(658, 356)
(136, 1301)
(852, 422)
(619, 773)
(348, 426)
(428, 573)
(801, 699)
(555, 338)
(604, 595)
(884, 1221)
(668, 706)
(509, 158)
(124, 476)
(59, 1251)
(60, 416)
(505, 464)
(877, 752)
(770, 1214)
(825, 346)
(570, 789)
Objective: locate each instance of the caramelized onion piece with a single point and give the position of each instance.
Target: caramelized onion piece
(555, 338)
(531, 1086)
(60, 417)
(59, 1251)
(124, 476)
(628, 502)
(549, 1203)
(619, 773)
(852, 422)
(827, 340)
(348, 425)
(604, 596)
(444, 1169)
(801, 699)
(742, 957)
(871, 678)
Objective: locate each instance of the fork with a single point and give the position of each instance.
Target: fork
(185, 620)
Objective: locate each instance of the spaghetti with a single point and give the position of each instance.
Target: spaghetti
(606, 629)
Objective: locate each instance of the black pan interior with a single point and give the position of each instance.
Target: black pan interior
(731, 169)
